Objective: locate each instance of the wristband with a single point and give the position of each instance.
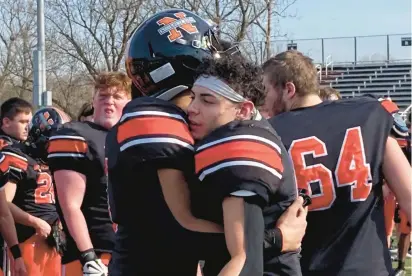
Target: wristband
(87, 256)
(15, 251)
(278, 239)
(306, 198)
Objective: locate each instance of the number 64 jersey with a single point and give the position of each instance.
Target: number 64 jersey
(34, 191)
(337, 151)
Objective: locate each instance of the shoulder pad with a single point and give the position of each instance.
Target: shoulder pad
(389, 106)
(67, 141)
(399, 127)
(151, 106)
(5, 141)
(152, 129)
(243, 155)
(13, 159)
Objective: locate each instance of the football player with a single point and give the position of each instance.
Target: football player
(15, 115)
(6, 220)
(152, 141)
(329, 94)
(341, 150)
(31, 193)
(245, 177)
(76, 158)
(399, 131)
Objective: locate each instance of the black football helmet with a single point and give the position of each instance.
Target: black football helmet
(164, 51)
(45, 121)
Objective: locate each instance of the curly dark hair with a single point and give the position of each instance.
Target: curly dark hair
(240, 74)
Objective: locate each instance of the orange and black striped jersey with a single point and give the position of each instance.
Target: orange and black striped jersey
(242, 157)
(152, 134)
(34, 192)
(399, 129)
(4, 168)
(337, 149)
(79, 147)
(246, 159)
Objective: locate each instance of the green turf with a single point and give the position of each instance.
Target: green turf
(407, 261)
(407, 266)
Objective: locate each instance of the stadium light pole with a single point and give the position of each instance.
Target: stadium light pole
(40, 96)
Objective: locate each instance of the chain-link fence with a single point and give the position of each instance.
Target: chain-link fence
(348, 50)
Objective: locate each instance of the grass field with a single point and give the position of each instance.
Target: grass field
(407, 262)
(407, 266)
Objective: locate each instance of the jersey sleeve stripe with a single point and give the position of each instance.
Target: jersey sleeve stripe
(4, 167)
(155, 140)
(390, 106)
(239, 150)
(402, 142)
(13, 161)
(70, 155)
(238, 163)
(240, 137)
(156, 126)
(243, 193)
(69, 137)
(67, 145)
(152, 113)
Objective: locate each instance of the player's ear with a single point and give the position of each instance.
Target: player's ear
(290, 90)
(6, 121)
(245, 110)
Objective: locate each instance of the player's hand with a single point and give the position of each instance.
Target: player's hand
(95, 268)
(20, 267)
(42, 228)
(293, 224)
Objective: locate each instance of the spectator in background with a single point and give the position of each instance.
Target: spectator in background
(329, 93)
(86, 113)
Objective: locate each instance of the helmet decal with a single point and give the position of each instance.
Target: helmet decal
(174, 26)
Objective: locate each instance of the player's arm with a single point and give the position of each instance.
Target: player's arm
(398, 174)
(7, 229)
(71, 188)
(177, 196)
(22, 217)
(244, 227)
(68, 159)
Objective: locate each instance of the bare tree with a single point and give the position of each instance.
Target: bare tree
(268, 23)
(84, 37)
(94, 32)
(245, 21)
(17, 41)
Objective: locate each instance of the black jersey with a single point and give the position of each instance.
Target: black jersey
(337, 150)
(34, 192)
(152, 134)
(246, 159)
(79, 147)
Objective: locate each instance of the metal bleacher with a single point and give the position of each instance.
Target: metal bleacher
(384, 79)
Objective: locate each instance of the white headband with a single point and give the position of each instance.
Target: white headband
(219, 87)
